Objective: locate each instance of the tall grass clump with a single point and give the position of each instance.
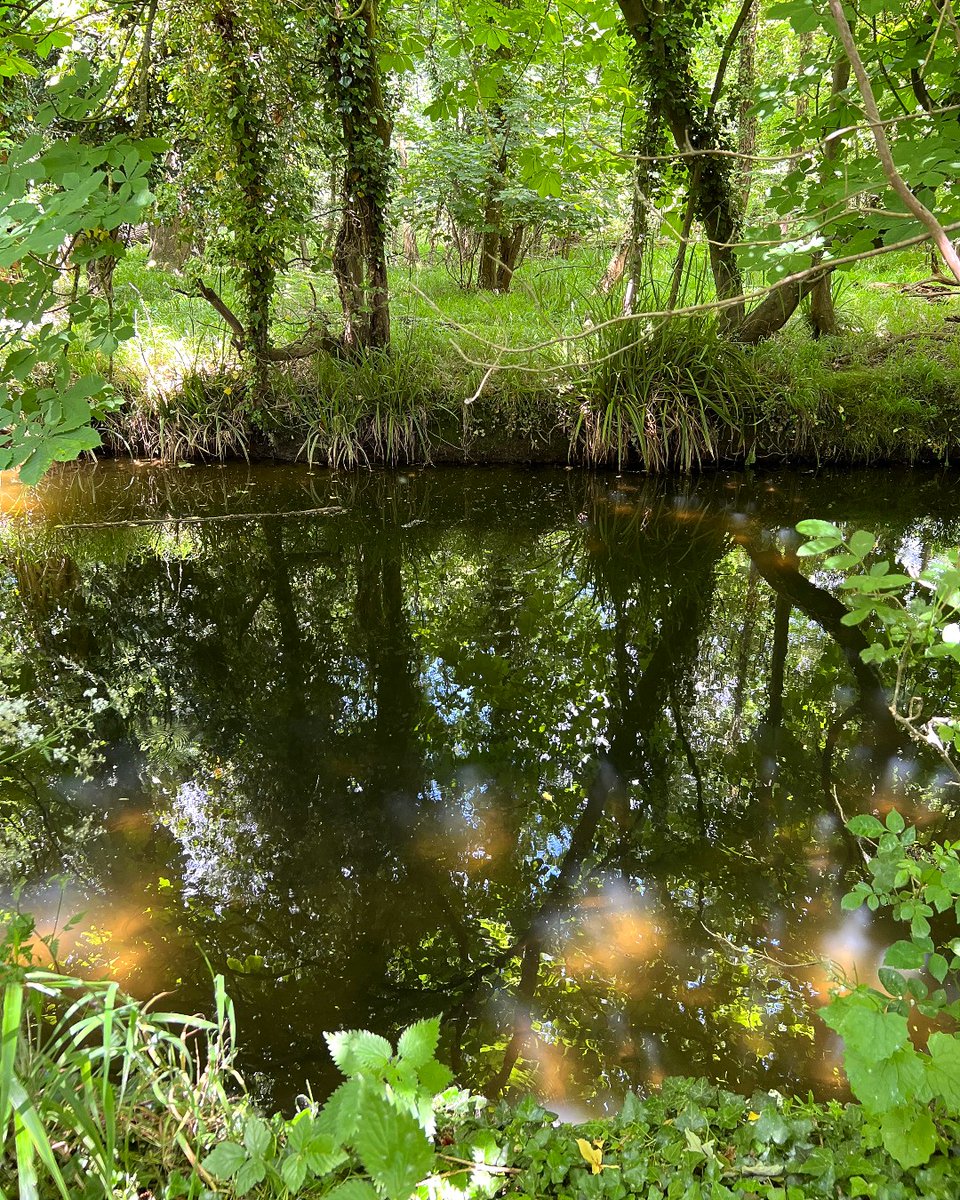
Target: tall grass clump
(669, 393)
(205, 418)
(99, 1094)
(376, 408)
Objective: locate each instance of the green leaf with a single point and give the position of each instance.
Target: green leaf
(818, 546)
(355, 1051)
(908, 1135)
(253, 1171)
(862, 542)
(293, 1172)
(392, 1147)
(435, 1077)
(339, 1115)
(895, 823)
(814, 528)
(418, 1044)
(944, 1069)
(904, 956)
(352, 1189)
(225, 1160)
(892, 980)
(865, 825)
(257, 1136)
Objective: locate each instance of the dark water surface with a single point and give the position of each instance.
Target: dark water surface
(539, 750)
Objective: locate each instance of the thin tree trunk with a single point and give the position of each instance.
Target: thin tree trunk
(823, 315)
(746, 120)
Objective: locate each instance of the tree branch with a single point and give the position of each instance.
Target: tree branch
(894, 178)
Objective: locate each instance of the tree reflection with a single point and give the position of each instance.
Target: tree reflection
(531, 750)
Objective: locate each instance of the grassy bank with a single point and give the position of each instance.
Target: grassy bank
(539, 374)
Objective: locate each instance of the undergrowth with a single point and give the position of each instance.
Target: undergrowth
(457, 384)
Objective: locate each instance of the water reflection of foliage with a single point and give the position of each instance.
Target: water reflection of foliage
(476, 747)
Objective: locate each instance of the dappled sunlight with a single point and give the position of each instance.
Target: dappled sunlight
(612, 931)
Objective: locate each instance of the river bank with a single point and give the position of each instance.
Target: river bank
(545, 374)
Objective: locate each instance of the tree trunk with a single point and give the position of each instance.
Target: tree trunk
(823, 315)
(510, 246)
(693, 127)
(616, 266)
(490, 261)
(746, 121)
(359, 252)
(169, 245)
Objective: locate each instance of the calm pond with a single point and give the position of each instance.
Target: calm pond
(540, 750)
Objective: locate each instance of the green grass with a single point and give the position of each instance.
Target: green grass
(538, 373)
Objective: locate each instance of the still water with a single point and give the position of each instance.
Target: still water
(557, 755)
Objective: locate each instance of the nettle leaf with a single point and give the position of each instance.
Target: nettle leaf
(392, 1147)
(339, 1115)
(418, 1044)
(435, 1077)
(356, 1051)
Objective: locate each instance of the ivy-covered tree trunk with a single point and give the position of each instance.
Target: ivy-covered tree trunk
(661, 31)
(359, 252)
(248, 146)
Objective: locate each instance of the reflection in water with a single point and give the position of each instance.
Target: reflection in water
(541, 751)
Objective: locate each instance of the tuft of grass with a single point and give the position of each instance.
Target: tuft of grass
(206, 417)
(671, 393)
(94, 1084)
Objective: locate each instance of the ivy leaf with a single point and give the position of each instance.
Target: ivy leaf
(392, 1147)
(592, 1155)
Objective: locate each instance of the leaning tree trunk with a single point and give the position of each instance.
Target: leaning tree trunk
(359, 252)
